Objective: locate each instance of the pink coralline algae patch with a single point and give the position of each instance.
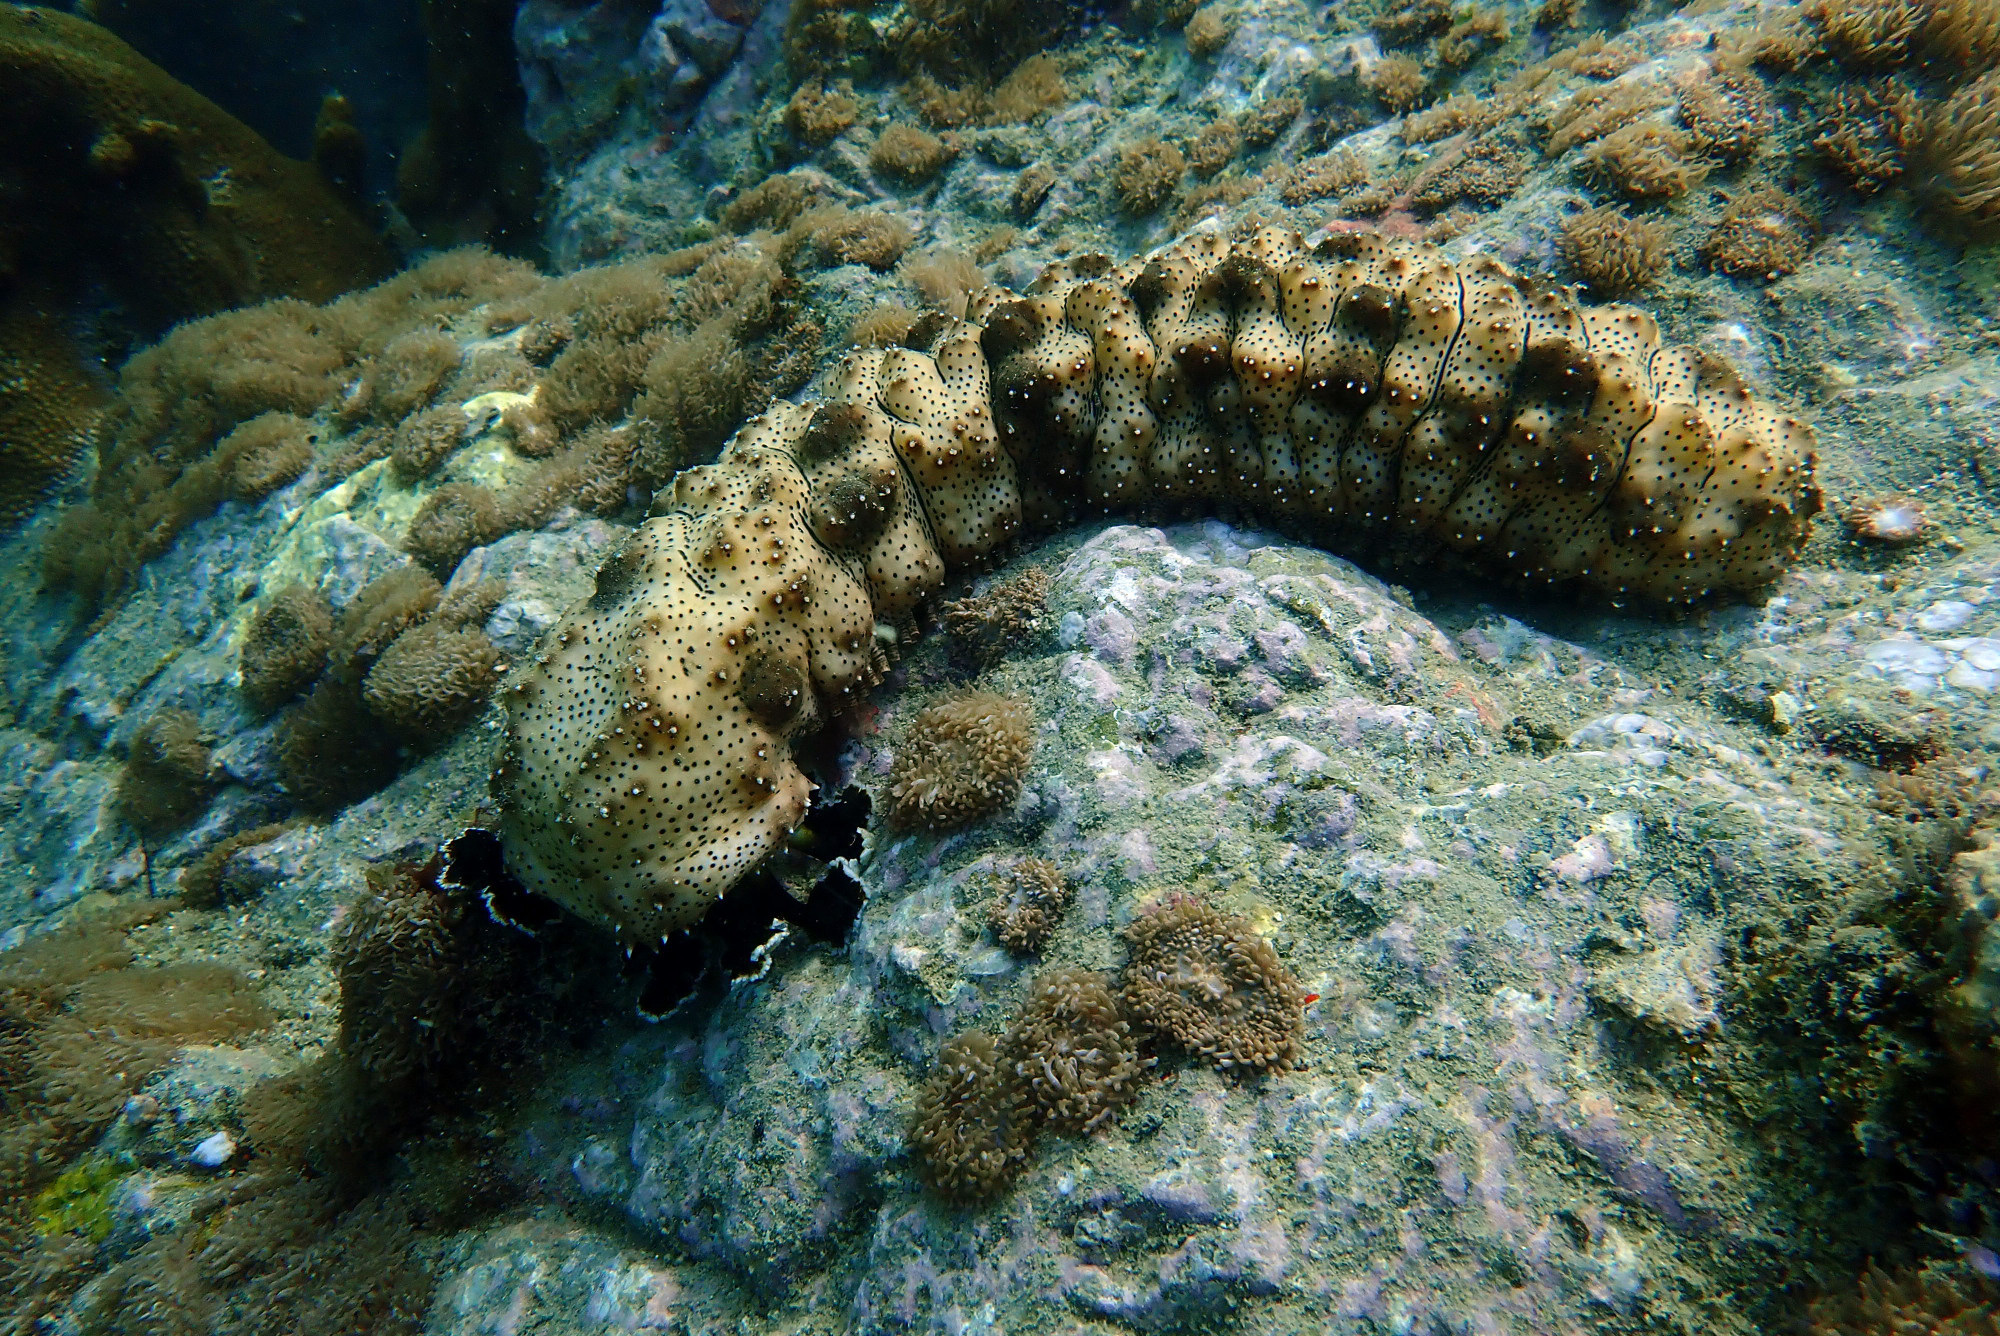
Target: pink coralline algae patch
(1588, 860)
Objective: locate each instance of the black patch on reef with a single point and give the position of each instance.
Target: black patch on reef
(615, 577)
(473, 862)
(732, 939)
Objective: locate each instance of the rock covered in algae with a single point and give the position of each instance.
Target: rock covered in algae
(1265, 726)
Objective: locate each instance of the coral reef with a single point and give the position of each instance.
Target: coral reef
(285, 647)
(1147, 175)
(1210, 985)
(1072, 1056)
(208, 883)
(174, 451)
(1613, 252)
(403, 665)
(1712, 496)
(1869, 132)
(270, 451)
(990, 625)
(144, 186)
(1961, 148)
(963, 760)
(1075, 1059)
(1644, 162)
(970, 1129)
(166, 777)
(1932, 1301)
(1207, 32)
(82, 1032)
(818, 115)
(430, 680)
(1032, 897)
(909, 155)
(1764, 233)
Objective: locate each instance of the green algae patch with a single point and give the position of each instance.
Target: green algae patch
(79, 1201)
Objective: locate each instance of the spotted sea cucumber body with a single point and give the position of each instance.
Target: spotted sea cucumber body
(1368, 391)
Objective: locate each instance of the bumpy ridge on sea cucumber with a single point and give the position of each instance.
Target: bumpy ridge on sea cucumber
(1367, 391)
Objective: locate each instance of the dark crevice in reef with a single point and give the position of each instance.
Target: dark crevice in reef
(802, 886)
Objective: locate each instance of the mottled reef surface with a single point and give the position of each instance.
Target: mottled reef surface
(1641, 995)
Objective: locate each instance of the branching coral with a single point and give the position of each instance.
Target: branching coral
(1210, 984)
(962, 760)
